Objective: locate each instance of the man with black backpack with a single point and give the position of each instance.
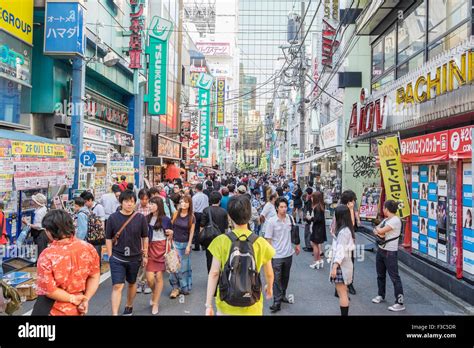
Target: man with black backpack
(238, 257)
(96, 222)
(214, 221)
(279, 234)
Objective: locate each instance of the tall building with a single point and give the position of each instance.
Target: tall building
(213, 27)
(263, 28)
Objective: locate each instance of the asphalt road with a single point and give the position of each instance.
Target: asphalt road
(311, 291)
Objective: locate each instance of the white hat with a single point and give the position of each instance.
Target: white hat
(242, 189)
(39, 199)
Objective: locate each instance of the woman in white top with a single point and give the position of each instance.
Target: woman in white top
(268, 212)
(159, 231)
(341, 262)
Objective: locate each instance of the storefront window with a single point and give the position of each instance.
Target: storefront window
(411, 33)
(449, 41)
(445, 15)
(410, 65)
(377, 59)
(380, 83)
(389, 50)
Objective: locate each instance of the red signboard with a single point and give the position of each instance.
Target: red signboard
(425, 148)
(450, 144)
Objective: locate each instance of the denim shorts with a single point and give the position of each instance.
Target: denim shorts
(121, 271)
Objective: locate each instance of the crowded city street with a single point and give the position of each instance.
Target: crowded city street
(275, 158)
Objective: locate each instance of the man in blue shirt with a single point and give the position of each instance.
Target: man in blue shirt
(82, 217)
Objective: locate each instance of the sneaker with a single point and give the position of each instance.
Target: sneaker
(174, 293)
(139, 289)
(128, 311)
(314, 265)
(378, 299)
(397, 307)
(275, 308)
(147, 290)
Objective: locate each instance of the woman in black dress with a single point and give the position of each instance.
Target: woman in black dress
(318, 236)
(297, 204)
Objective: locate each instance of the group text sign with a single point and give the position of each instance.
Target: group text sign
(204, 98)
(392, 172)
(64, 29)
(158, 51)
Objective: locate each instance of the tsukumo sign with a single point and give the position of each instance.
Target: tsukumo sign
(157, 79)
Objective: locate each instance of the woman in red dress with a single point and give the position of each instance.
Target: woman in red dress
(160, 230)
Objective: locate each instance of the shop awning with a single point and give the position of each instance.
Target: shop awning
(20, 136)
(320, 154)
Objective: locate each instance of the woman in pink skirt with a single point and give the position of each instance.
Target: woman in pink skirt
(160, 230)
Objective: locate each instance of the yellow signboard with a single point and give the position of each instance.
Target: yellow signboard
(16, 18)
(33, 149)
(392, 173)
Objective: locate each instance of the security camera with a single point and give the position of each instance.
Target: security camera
(111, 59)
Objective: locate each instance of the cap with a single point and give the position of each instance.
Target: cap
(114, 176)
(39, 199)
(242, 189)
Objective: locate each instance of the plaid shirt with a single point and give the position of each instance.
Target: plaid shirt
(143, 210)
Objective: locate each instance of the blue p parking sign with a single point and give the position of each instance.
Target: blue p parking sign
(88, 158)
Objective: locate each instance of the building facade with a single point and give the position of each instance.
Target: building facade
(420, 91)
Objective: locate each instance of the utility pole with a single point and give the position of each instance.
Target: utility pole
(302, 110)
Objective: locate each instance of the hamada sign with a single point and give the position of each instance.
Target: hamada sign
(214, 48)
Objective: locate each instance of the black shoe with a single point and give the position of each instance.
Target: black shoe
(285, 300)
(197, 248)
(309, 250)
(128, 311)
(352, 291)
(275, 308)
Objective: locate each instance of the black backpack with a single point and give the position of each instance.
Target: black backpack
(208, 233)
(239, 282)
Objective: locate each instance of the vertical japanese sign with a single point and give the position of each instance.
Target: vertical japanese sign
(135, 45)
(220, 120)
(194, 136)
(64, 29)
(158, 51)
(392, 171)
(204, 98)
(329, 43)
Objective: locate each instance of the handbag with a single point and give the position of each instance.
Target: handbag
(208, 233)
(117, 235)
(172, 259)
(295, 232)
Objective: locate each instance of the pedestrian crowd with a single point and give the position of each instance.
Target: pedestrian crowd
(246, 224)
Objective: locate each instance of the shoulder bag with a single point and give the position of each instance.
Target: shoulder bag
(295, 232)
(117, 235)
(172, 259)
(382, 241)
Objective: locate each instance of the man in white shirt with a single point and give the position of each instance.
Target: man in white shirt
(200, 202)
(386, 260)
(110, 201)
(278, 234)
